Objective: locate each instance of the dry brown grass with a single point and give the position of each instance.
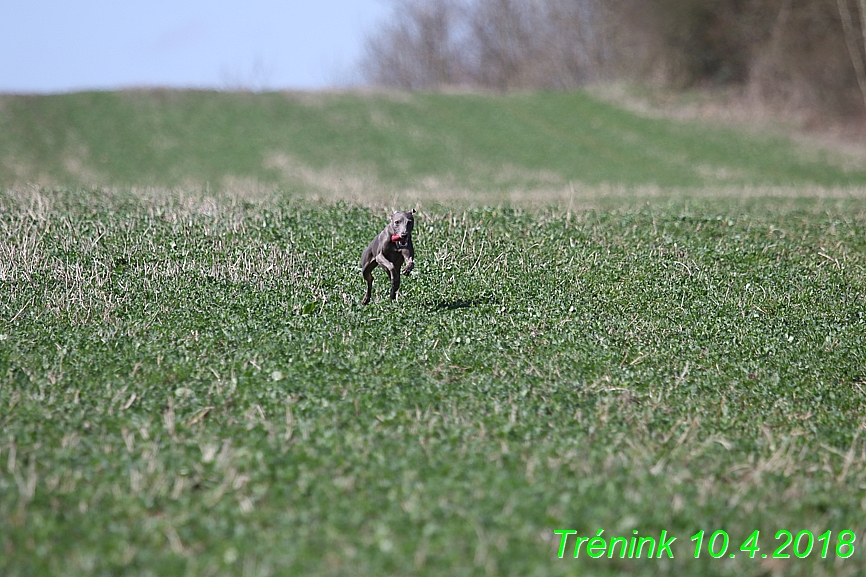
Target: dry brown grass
(841, 143)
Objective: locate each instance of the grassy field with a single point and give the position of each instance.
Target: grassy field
(189, 385)
(451, 146)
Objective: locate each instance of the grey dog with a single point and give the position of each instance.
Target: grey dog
(390, 249)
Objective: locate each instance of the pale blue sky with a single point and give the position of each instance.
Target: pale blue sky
(57, 46)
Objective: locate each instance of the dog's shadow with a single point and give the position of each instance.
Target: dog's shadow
(455, 304)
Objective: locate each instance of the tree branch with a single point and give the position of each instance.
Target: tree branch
(852, 41)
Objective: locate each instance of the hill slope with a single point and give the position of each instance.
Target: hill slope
(325, 141)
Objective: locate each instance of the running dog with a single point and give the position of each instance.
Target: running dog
(390, 249)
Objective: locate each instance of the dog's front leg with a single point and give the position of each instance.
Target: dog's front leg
(410, 264)
(395, 283)
(408, 256)
(385, 264)
(393, 273)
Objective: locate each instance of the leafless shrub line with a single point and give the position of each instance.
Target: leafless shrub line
(809, 54)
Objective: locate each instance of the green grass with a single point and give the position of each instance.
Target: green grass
(189, 386)
(393, 141)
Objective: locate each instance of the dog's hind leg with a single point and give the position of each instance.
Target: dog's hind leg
(367, 273)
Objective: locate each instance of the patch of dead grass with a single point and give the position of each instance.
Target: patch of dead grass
(361, 185)
(841, 144)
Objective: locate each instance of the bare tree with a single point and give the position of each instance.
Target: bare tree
(537, 44)
(418, 49)
(854, 39)
(499, 44)
(790, 51)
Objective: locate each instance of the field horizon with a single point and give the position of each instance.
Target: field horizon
(477, 147)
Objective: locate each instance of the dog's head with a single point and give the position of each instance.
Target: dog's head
(401, 225)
